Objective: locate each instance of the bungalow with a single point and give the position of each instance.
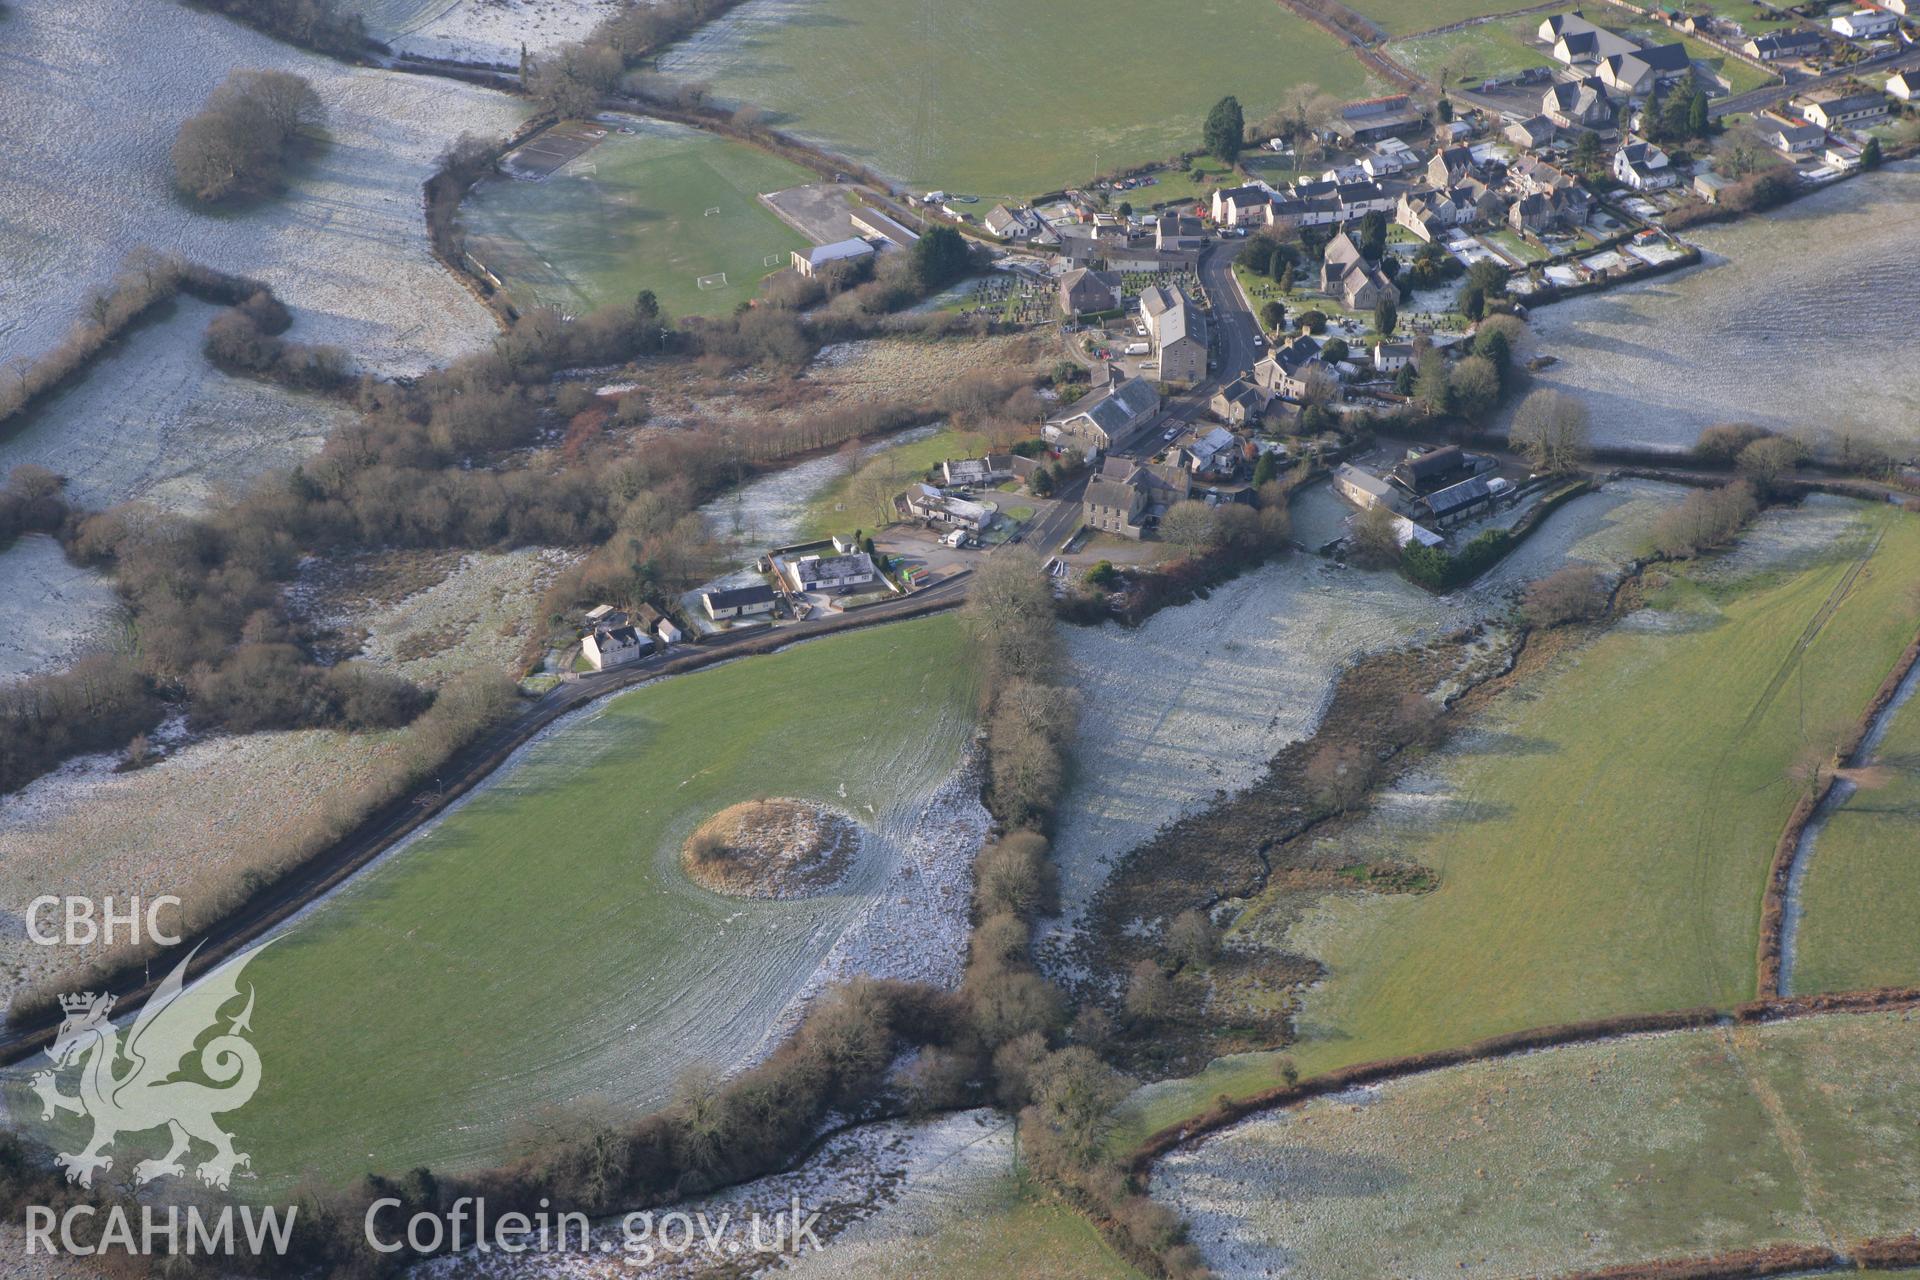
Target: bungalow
(1238, 404)
(1866, 24)
(1534, 131)
(1364, 489)
(829, 573)
(1010, 224)
(1644, 167)
(1084, 291)
(614, 646)
(1788, 138)
(1578, 104)
(1845, 110)
(990, 470)
(1790, 42)
(1392, 357)
(1905, 85)
(738, 602)
(809, 262)
(1235, 206)
(1104, 415)
(1178, 332)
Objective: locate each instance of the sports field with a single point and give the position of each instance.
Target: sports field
(1602, 835)
(1000, 97)
(662, 207)
(541, 945)
(1861, 895)
(1574, 1158)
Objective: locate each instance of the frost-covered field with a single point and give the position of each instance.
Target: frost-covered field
(56, 611)
(770, 511)
(1570, 1158)
(153, 420)
(1198, 699)
(879, 1190)
(94, 90)
(479, 30)
(88, 830)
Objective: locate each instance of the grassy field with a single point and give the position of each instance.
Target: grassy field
(1405, 17)
(835, 509)
(1859, 907)
(633, 213)
(999, 97)
(541, 946)
(1799, 1132)
(1602, 837)
(1011, 1228)
(1484, 51)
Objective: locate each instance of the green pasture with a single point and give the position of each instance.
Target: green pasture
(1602, 835)
(632, 213)
(541, 947)
(1861, 895)
(1003, 98)
(1407, 17)
(1580, 1158)
(1484, 51)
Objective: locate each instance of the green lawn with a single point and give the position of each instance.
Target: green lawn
(1015, 1229)
(541, 945)
(1754, 17)
(1578, 1158)
(1176, 186)
(632, 214)
(1859, 896)
(1602, 838)
(1001, 97)
(1485, 51)
(838, 507)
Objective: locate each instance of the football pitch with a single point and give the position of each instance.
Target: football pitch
(650, 205)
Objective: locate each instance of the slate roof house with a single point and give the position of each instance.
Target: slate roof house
(1435, 469)
(1644, 167)
(1104, 415)
(1178, 332)
(1844, 110)
(1233, 206)
(1578, 104)
(1788, 42)
(1128, 499)
(738, 602)
(1083, 291)
(1289, 370)
(1178, 232)
(608, 647)
(1238, 403)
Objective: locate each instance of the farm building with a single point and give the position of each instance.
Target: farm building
(1461, 501)
(1104, 415)
(1364, 489)
(1420, 474)
(738, 602)
(809, 262)
(613, 647)
(1371, 119)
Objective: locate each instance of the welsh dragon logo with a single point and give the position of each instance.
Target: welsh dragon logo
(128, 1085)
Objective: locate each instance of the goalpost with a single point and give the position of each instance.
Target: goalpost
(718, 280)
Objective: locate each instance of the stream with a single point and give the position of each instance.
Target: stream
(1836, 799)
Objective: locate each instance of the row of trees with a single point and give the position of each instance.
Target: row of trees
(570, 79)
(241, 140)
